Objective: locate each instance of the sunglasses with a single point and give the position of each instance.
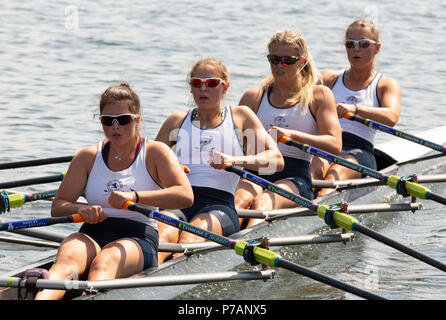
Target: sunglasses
(285, 60)
(122, 119)
(209, 82)
(363, 43)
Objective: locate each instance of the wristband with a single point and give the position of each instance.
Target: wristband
(137, 196)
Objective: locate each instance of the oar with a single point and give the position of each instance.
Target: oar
(126, 283)
(14, 200)
(23, 224)
(334, 217)
(27, 182)
(249, 250)
(402, 186)
(392, 131)
(36, 162)
(29, 242)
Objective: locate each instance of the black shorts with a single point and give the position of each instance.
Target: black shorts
(360, 149)
(216, 202)
(298, 171)
(112, 229)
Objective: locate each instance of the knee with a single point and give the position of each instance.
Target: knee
(243, 200)
(105, 263)
(260, 200)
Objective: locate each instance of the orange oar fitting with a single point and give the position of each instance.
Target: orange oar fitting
(77, 217)
(347, 115)
(126, 204)
(284, 139)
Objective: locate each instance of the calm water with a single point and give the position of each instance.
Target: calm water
(58, 56)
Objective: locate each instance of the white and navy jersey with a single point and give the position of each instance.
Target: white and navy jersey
(289, 118)
(194, 145)
(102, 181)
(366, 97)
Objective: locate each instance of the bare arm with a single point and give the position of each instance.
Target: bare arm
(252, 98)
(168, 172)
(261, 150)
(169, 130)
(72, 187)
(389, 95)
(330, 134)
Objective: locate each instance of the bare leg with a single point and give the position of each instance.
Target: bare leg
(204, 221)
(73, 260)
(167, 234)
(338, 172)
(244, 195)
(268, 200)
(119, 259)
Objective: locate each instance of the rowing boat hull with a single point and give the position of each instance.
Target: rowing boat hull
(222, 260)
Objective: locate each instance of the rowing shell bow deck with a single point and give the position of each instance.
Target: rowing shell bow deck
(395, 156)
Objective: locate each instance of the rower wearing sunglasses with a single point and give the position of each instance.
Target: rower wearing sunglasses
(114, 242)
(360, 90)
(289, 103)
(207, 136)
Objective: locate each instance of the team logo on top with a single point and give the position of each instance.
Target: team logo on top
(114, 185)
(352, 100)
(205, 141)
(279, 121)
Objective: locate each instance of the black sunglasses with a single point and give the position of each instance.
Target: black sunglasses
(286, 60)
(122, 119)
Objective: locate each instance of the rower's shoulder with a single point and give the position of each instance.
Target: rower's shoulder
(252, 97)
(177, 116)
(329, 77)
(156, 147)
(388, 83)
(85, 157)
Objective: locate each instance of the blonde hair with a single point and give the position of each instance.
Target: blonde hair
(218, 66)
(364, 24)
(306, 78)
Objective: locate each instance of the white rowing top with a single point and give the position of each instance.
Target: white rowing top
(289, 118)
(366, 97)
(194, 146)
(102, 181)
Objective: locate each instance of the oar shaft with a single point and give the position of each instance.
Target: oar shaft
(332, 158)
(272, 187)
(36, 162)
(261, 255)
(392, 131)
(328, 280)
(224, 241)
(13, 225)
(436, 198)
(398, 246)
(395, 182)
(340, 219)
(27, 182)
(15, 200)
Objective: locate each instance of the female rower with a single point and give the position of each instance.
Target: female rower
(365, 92)
(113, 242)
(207, 136)
(290, 103)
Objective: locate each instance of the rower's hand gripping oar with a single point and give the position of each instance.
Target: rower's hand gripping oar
(402, 185)
(334, 217)
(251, 252)
(392, 131)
